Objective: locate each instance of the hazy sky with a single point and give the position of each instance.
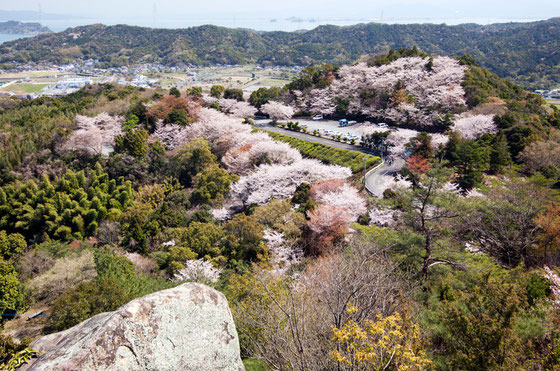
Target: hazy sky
(397, 10)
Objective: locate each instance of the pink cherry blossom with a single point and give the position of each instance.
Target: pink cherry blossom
(283, 253)
(473, 126)
(277, 111)
(199, 271)
(93, 133)
(280, 181)
(431, 92)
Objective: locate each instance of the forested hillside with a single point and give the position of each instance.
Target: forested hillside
(524, 52)
(114, 192)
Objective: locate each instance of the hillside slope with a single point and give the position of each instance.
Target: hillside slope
(525, 52)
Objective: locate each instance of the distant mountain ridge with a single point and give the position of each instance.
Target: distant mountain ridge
(22, 28)
(528, 53)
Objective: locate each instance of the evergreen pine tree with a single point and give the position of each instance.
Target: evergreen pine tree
(499, 157)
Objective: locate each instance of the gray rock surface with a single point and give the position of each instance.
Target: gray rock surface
(189, 327)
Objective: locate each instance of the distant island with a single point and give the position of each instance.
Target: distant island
(22, 28)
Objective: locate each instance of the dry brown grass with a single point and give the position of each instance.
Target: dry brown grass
(21, 327)
(67, 272)
(494, 106)
(116, 107)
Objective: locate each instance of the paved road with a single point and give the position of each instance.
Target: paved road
(377, 181)
(310, 138)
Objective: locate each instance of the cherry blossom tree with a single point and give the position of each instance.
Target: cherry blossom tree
(243, 110)
(399, 182)
(554, 280)
(283, 253)
(339, 205)
(281, 181)
(338, 193)
(327, 224)
(221, 214)
(198, 270)
(94, 133)
(383, 217)
(277, 111)
(402, 91)
(242, 159)
(399, 138)
(210, 125)
(473, 126)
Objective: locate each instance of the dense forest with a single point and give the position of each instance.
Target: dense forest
(114, 192)
(524, 52)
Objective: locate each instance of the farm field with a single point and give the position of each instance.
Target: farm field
(27, 88)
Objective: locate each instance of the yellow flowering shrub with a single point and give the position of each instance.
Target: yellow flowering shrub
(385, 343)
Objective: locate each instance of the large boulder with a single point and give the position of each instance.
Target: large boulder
(189, 327)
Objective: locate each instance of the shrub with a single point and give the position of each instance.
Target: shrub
(327, 154)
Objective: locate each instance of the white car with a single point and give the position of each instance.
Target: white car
(317, 117)
(382, 125)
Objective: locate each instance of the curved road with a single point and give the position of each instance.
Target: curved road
(379, 180)
(376, 182)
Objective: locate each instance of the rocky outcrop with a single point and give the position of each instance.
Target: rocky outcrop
(189, 327)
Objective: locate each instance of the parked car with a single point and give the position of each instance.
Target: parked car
(317, 117)
(382, 125)
(342, 122)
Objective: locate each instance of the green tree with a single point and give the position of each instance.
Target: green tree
(232, 93)
(264, 95)
(134, 142)
(139, 110)
(174, 91)
(478, 317)
(202, 240)
(191, 158)
(212, 184)
(177, 116)
(131, 122)
(245, 239)
(195, 91)
(11, 290)
(137, 227)
(116, 284)
(428, 210)
(421, 145)
(471, 160)
(217, 91)
(11, 244)
(450, 150)
(9, 347)
(499, 155)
